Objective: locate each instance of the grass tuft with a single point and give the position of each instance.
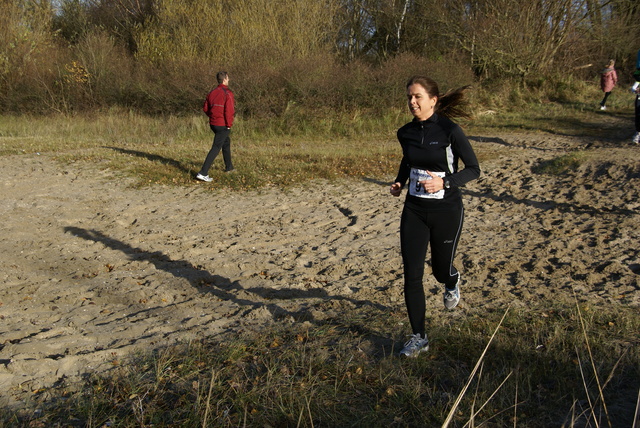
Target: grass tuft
(560, 165)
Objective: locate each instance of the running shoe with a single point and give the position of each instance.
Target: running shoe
(452, 297)
(204, 178)
(415, 345)
(636, 138)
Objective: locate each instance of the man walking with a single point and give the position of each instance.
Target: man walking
(220, 107)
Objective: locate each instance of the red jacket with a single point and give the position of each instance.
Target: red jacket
(220, 106)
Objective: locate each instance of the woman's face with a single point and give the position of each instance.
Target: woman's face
(421, 105)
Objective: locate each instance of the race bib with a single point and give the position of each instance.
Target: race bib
(417, 189)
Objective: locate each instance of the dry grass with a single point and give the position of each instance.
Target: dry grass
(170, 150)
(545, 366)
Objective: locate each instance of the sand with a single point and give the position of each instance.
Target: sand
(94, 270)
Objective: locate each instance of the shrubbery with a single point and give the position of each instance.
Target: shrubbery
(309, 57)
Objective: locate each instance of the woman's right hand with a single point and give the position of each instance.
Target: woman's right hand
(396, 189)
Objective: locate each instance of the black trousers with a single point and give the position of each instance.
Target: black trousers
(418, 230)
(221, 141)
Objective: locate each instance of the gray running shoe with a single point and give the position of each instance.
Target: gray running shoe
(415, 345)
(452, 297)
(204, 178)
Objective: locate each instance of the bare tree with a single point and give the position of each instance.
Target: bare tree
(372, 28)
(509, 37)
(355, 26)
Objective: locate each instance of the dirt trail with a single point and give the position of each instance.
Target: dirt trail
(94, 270)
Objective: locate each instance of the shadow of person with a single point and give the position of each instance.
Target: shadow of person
(377, 181)
(198, 278)
(550, 204)
(221, 287)
(153, 158)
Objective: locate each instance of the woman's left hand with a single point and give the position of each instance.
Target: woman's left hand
(435, 184)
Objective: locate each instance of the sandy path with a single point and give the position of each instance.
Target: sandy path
(93, 270)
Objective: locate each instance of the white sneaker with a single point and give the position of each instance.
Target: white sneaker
(452, 297)
(603, 108)
(204, 178)
(636, 138)
(415, 345)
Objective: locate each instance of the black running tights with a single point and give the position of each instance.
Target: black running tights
(418, 230)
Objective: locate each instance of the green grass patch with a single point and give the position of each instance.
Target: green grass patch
(561, 164)
(542, 368)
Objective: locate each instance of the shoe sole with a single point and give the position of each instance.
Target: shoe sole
(457, 301)
(452, 307)
(415, 354)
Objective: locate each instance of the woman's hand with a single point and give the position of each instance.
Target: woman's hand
(396, 189)
(433, 185)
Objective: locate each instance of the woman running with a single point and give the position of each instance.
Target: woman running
(433, 213)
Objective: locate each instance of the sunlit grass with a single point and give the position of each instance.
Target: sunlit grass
(345, 372)
(578, 119)
(170, 150)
